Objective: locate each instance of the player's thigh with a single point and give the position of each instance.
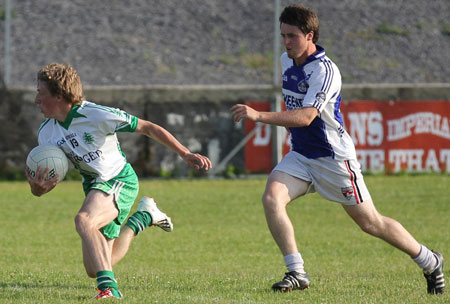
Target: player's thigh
(100, 207)
(283, 188)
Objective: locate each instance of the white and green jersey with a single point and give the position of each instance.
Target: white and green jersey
(88, 138)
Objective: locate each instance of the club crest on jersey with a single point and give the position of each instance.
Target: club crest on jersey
(348, 192)
(88, 138)
(302, 86)
(320, 97)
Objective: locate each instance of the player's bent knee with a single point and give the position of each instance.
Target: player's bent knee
(270, 202)
(82, 223)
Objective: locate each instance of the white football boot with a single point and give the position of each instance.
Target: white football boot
(159, 218)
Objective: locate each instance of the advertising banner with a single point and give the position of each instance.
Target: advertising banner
(409, 136)
(391, 137)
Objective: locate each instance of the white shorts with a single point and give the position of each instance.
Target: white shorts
(334, 180)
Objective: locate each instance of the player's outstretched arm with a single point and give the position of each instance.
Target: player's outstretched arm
(294, 118)
(40, 185)
(194, 160)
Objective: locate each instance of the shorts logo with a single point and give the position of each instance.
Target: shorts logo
(320, 97)
(348, 192)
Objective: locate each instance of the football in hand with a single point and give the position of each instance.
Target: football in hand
(47, 156)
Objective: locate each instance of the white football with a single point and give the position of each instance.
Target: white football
(47, 156)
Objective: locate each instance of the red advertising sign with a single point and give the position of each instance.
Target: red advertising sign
(258, 149)
(410, 136)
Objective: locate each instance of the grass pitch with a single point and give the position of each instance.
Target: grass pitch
(221, 250)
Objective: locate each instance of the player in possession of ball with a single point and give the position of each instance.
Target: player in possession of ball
(86, 132)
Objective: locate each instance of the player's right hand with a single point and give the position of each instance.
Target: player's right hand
(240, 111)
(197, 161)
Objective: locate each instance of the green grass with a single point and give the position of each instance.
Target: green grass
(221, 250)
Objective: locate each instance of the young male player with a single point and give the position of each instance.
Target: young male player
(86, 132)
(322, 156)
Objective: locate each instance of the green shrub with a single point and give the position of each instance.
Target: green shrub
(391, 30)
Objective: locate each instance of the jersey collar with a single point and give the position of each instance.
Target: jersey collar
(320, 53)
(70, 116)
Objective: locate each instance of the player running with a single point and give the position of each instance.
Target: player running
(322, 156)
(86, 132)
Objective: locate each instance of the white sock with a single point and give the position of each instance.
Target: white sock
(294, 262)
(426, 259)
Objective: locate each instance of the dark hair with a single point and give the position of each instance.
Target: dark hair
(303, 18)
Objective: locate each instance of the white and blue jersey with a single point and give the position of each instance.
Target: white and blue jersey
(317, 83)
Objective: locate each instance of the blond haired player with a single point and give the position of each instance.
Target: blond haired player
(322, 156)
(86, 132)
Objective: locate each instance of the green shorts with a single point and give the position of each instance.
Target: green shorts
(125, 188)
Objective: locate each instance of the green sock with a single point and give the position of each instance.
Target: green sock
(139, 221)
(106, 279)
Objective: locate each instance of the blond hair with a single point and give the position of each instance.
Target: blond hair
(62, 79)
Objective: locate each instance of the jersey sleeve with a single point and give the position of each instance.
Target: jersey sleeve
(116, 120)
(324, 83)
(129, 125)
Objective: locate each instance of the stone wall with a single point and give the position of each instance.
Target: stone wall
(197, 115)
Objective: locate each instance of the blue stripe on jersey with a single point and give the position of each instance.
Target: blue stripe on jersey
(337, 112)
(331, 77)
(325, 81)
(318, 105)
(329, 73)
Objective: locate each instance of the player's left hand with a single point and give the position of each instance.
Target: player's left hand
(40, 184)
(197, 161)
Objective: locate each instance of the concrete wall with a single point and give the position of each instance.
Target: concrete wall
(197, 115)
